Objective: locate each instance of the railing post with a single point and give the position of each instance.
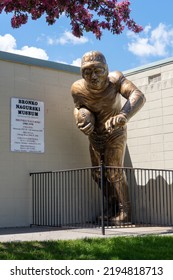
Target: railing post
(102, 171)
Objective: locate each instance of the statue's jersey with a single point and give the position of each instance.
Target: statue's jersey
(106, 103)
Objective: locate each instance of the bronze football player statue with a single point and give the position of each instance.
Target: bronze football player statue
(99, 114)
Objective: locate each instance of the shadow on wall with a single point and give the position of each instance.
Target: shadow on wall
(127, 160)
(151, 193)
(151, 197)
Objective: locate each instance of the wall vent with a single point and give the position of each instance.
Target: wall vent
(154, 78)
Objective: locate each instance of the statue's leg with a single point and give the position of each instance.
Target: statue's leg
(95, 160)
(121, 187)
(114, 157)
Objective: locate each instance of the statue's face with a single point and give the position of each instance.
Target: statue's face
(95, 76)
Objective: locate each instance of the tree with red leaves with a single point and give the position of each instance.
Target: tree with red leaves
(84, 15)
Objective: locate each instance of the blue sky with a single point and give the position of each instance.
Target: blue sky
(123, 52)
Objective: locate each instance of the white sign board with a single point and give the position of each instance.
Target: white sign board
(27, 125)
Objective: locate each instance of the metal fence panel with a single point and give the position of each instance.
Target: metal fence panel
(65, 198)
(79, 197)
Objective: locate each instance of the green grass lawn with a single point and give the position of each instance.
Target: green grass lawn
(115, 248)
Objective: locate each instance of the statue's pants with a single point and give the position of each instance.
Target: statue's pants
(112, 148)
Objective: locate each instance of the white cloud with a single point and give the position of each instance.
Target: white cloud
(67, 38)
(156, 42)
(62, 62)
(147, 28)
(8, 44)
(33, 52)
(76, 62)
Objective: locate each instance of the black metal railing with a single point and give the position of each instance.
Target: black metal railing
(81, 197)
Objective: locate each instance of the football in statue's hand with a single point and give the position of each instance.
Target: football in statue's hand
(85, 117)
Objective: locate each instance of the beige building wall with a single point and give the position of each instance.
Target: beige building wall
(150, 132)
(65, 146)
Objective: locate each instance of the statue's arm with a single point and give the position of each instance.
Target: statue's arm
(135, 101)
(135, 98)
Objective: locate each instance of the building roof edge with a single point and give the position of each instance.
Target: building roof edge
(149, 66)
(6, 56)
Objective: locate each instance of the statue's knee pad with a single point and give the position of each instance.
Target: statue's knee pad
(115, 175)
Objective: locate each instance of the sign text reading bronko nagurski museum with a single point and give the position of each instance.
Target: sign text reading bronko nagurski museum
(27, 125)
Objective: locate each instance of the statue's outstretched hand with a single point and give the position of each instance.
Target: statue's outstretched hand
(116, 121)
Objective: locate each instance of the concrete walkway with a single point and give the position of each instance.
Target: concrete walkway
(53, 233)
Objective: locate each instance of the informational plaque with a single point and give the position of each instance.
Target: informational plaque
(27, 125)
